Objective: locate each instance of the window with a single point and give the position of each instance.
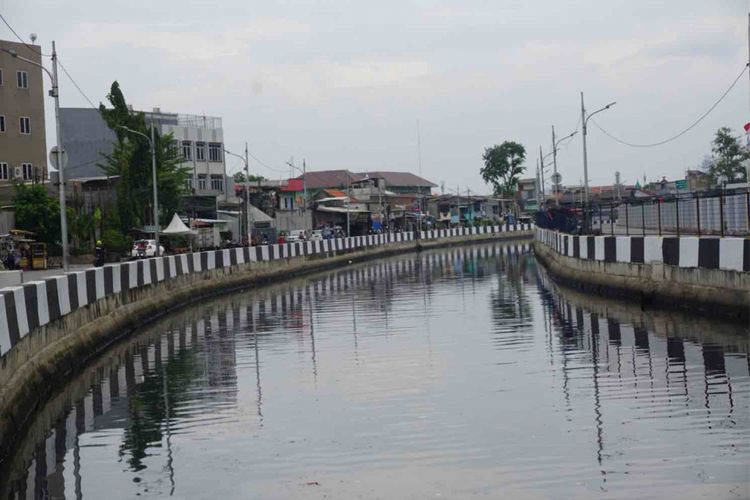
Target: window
(189, 181)
(202, 181)
(25, 123)
(200, 151)
(27, 171)
(2, 123)
(1, 77)
(187, 150)
(23, 79)
(214, 151)
(3, 171)
(217, 182)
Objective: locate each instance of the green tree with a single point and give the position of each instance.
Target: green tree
(131, 161)
(728, 157)
(503, 164)
(240, 177)
(39, 213)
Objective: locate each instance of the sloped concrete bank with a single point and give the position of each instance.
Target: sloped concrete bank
(714, 292)
(48, 356)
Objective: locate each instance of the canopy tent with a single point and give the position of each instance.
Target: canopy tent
(177, 228)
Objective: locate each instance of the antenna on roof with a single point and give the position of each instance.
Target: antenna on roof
(419, 148)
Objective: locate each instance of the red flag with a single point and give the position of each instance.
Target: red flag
(747, 127)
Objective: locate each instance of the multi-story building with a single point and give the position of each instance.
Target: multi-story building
(200, 140)
(23, 148)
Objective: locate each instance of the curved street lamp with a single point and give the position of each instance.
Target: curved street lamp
(584, 120)
(152, 145)
(248, 213)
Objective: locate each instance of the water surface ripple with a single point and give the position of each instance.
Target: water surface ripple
(450, 373)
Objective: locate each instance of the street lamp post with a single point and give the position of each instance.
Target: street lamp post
(584, 121)
(555, 144)
(152, 144)
(55, 93)
(248, 214)
(303, 171)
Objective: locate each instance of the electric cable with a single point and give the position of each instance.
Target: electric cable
(676, 136)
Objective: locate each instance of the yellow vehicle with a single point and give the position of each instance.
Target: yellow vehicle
(38, 255)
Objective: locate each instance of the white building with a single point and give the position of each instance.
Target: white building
(200, 140)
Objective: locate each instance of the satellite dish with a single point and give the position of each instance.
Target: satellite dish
(32, 37)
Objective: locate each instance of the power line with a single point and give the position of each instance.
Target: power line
(75, 84)
(30, 47)
(263, 164)
(670, 139)
(33, 49)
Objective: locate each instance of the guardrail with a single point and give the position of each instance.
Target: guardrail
(37, 303)
(731, 254)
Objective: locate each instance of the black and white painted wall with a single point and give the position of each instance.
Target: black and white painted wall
(729, 254)
(34, 304)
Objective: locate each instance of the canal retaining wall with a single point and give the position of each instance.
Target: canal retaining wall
(50, 328)
(702, 273)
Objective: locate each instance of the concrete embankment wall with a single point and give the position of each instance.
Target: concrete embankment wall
(50, 328)
(704, 274)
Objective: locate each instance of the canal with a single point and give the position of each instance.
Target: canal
(451, 373)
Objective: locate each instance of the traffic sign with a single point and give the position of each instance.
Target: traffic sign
(556, 178)
(53, 158)
(681, 184)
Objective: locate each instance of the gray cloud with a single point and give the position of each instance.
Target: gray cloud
(343, 83)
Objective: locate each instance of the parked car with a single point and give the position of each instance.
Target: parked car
(145, 248)
(295, 235)
(317, 235)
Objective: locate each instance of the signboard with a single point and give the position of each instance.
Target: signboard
(681, 184)
(53, 158)
(556, 178)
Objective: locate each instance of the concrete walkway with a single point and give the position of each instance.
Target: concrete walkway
(56, 271)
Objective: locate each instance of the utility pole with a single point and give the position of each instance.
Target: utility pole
(748, 56)
(248, 214)
(541, 172)
(585, 163)
(554, 166)
(419, 159)
(156, 196)
(536, 184)
(61, 178)
(304, 184)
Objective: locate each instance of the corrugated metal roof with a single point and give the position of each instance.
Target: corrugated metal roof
(329, 179)
(341, 178)
(399, 179)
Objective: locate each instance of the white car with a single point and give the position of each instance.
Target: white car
(145, 248)
(316, 235)
(295, 235)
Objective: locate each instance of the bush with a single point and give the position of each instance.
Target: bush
(115, 242)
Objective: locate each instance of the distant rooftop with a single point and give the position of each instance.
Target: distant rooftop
(340, 178)
(184, 120)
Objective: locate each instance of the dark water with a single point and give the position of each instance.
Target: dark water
(448, 374)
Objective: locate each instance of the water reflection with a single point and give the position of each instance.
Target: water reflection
(430, 366)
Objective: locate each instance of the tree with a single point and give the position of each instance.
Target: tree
(728, 157)
(503, 165)
(37, 212)
(239, 177)
(131, 161)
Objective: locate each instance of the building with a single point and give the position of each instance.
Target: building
(23, 146)
(527, 195)
(200, 140)
(378, 199)
(87, 139)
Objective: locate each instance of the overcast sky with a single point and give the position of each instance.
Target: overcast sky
(343, 83)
